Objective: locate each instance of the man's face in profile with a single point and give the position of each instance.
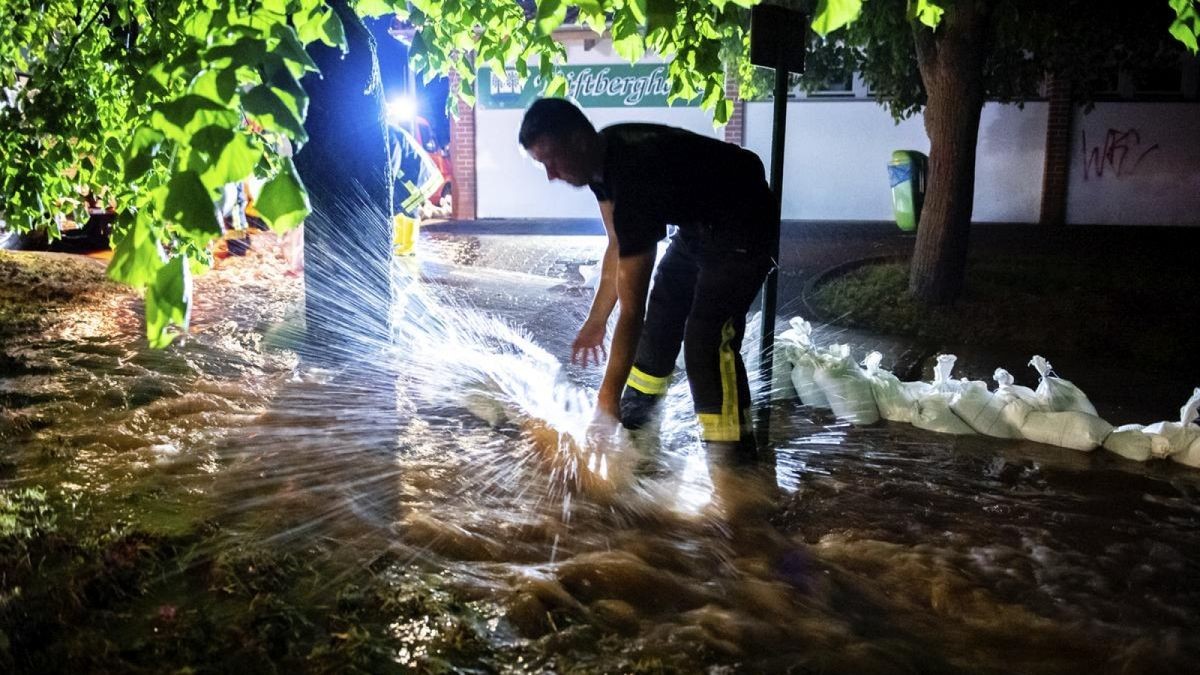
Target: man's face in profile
(562, 160)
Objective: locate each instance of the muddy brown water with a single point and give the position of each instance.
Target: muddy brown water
(852, 550)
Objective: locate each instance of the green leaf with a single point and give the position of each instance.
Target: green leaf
(182, 116)
(1186, 25)
(557, 86)
(144, 147)
(283, 202)
(332, 31)
(591, 14)
(627, 39)
(216, 84)
(286, 87)
(1185, 35)
(196, 25)
(168, 302)
(290, 48)
(660, 14)
(137, 255)
(833, 14)
(189, 204)
(266, 108)
(550, 15)
(373, 8)
(927, 12)
(431, 8)
(722, 112)
(247, 51)
(231, 156)
(638, 9)
(309, 25)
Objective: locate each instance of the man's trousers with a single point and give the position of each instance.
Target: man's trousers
(701, 292)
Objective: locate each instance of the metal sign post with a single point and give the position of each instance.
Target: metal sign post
(778, 37)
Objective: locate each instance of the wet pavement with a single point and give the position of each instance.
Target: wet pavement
(250, 514)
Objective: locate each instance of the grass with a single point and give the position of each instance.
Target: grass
(1116, 309)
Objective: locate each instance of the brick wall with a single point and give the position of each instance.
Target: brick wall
(735, 130)
(462, 156)
(1057, 167)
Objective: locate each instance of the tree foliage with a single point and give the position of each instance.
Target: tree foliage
(153, 107)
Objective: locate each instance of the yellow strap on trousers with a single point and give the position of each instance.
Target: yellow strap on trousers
(648, 384)
(727, 424)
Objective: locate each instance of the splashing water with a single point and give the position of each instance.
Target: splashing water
(455, 355)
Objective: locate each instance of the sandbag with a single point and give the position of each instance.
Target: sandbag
(1131, 442)
(933, 404)
(1057, 394)
(1189, 457)
(780, 387)
(1005, 383)
(804, 381)
(846, 387)
(896, 400)
(799, 350)
(1070, 429)
(1182, 435)
(997, 414)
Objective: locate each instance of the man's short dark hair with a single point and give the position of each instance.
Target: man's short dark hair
(553, 117)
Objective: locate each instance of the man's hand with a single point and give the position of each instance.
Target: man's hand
(589, 344)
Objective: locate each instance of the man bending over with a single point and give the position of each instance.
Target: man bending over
(646, 177)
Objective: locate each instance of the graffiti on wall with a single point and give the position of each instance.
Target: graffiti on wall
(1120, 154)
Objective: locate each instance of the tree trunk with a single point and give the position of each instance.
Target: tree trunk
(951, 60)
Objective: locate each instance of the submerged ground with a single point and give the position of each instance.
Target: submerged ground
(218, 506)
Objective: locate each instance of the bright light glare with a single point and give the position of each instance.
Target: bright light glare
(400, 110)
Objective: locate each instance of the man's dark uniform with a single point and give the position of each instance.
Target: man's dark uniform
(716, 194)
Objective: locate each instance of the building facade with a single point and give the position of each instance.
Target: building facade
(1132, 160)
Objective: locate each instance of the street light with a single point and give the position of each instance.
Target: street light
(401, 111)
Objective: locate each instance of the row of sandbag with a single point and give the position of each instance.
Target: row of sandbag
(1056, 412)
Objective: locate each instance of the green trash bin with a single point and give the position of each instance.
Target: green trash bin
(906, 173)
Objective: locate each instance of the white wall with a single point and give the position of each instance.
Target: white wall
(1148, 177)
(835, 166)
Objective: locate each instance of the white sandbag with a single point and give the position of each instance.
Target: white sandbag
(781, 366)
(1070, 429)
(1181, 435)
(997, 414)
(802, 354)
(1189, 457)
(1057, 394)
(804, 381)
(896, 400)
(1005, 383)
(933, 405)
(1131, 442)
(846, 387)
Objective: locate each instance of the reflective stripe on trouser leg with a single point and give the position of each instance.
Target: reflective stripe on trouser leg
(648, 384)
(726, 425)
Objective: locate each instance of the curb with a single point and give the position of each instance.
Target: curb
(839, 269)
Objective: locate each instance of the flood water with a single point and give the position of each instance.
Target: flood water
(221, 506)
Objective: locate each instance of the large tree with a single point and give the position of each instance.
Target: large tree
(156, 106)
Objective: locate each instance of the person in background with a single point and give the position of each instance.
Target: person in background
(646, 177)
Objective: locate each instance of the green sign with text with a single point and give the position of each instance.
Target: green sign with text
(606, 85)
